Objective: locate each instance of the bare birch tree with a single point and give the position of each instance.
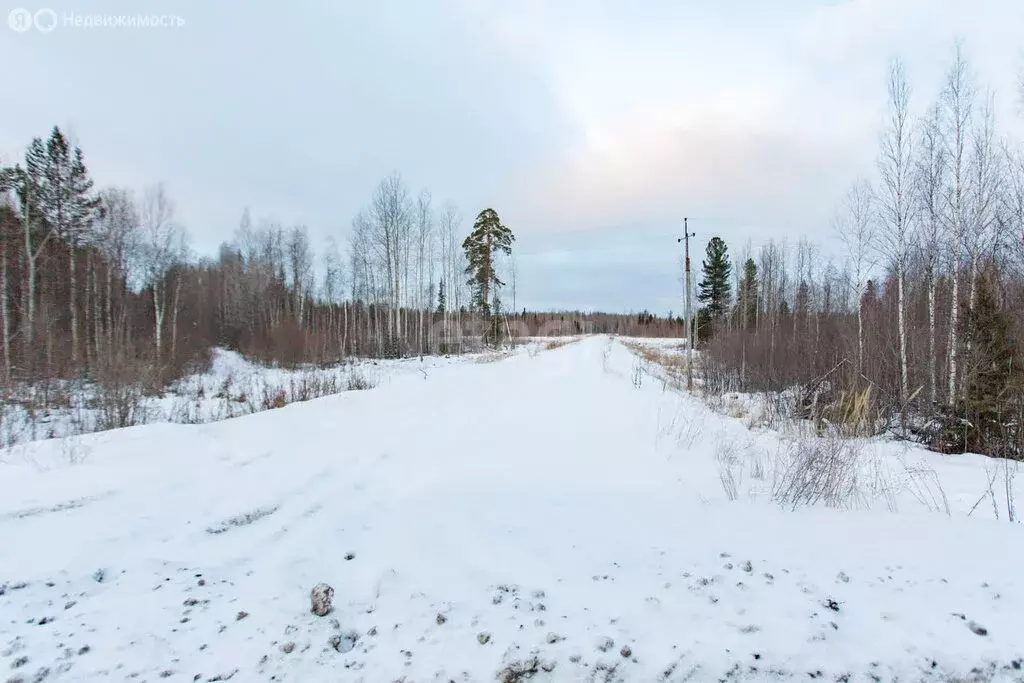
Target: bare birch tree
(117, 238)
(300, 262)
(930, 187)
(856, 228)
(896, 201)
(390, 216)
(424, 238)
(986, 180)
(958, 99)
(1013, 197)
(161, 249)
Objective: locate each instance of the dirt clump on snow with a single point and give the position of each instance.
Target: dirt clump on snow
(321, 599)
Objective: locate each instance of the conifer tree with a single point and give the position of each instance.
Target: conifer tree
(69, 208)
(495, 331)
(488, 238)
(31, 192)
(441, 297)
(714, 290)
(991, 372)
(748, 295)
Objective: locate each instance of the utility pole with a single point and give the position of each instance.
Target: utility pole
(685, 239)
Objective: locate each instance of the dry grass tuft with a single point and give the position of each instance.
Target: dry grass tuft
(672, 364)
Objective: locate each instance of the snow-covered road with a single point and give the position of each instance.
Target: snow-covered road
(539, 516)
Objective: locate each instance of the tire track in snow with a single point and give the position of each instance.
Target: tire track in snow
(73, 504)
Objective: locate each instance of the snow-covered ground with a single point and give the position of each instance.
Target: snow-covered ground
(231, 387)
(547, 516)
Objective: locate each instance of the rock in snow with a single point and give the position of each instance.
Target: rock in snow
(321, 599)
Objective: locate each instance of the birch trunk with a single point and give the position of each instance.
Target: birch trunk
(901, 286)
(158, 312)
(174, 319)
(933, 389)
(6, 311)
(73, 303)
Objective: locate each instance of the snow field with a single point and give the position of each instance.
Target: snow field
(543, 516)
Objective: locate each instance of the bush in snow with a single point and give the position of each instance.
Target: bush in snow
(818, 471)
(120, 393)
(357, 381)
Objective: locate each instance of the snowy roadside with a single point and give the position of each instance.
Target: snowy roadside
(758, 448)
(232, 387)
(540, 518)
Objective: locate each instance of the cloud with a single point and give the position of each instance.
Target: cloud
(592, 127)
(737, 163)
(297, 112)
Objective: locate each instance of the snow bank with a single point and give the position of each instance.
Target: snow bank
(232, 386)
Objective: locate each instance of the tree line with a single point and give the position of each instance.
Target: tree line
(101, 284)
(919, 325)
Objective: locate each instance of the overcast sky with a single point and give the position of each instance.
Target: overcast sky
(591, 127)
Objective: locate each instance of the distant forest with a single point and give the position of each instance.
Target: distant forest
(101, 283)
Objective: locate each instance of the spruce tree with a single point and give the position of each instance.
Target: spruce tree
(703, 325)
(748, 295)
(489, 237)
(441, 303)
(714, 291)
(69, 208)
(31, 190)
(991, 372)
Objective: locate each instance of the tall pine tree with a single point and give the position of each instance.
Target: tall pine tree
(714, 291)
(488, 238)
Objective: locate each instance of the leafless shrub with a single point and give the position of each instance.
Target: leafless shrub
(1009, 494)
(312, 384)
(225, 387)
(7, 418)
(991, 489)
(923, 483)
(120, 394)
(357, 381)
(821, 470)
(681, 428)
(688, 433)
(734, 406)
(757, 465)
(268, 397)
(73, 451)
(730, 468)
(638, 374)
(186, 408)
(880, 480)
(779, 410)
